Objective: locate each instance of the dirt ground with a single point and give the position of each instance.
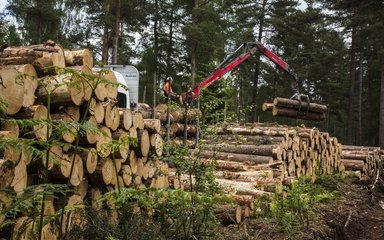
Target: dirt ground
(359, 215)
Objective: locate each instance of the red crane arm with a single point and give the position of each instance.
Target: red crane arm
(230, 63)
(219, 73)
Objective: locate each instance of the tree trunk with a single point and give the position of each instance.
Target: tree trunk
(381, 129)
(351, 127)
(106, 33)
(116, 37)
(78, 57)
(359, 89)
(257, 65)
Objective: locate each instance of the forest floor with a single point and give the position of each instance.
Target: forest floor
(358, 214)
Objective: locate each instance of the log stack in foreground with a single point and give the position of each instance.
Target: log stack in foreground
(94, 169)
(296, 109)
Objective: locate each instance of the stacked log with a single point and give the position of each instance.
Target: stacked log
(296, 109)
(367, 161)
(97, 167)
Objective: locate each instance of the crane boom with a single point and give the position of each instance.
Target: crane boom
(231, 62)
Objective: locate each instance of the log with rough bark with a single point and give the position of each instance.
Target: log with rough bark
(294, 113)
(78, 57)
(302, 105)
(29, 54)
(236, 157)
(262, 150)
(228, 214)
(178, 129)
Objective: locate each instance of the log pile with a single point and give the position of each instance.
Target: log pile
(176, 119)
(367, 161)
(255, 159)
(296, 109)
(96, 168)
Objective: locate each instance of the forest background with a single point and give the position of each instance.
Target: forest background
(336, 47)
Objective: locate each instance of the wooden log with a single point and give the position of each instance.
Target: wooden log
(92, 135)
(254, 159)
(133, 162)
(65, 90)
(112, 116)
(96, 195)
(144, 143)
(303, 105)
(125, 118)
(248, 176)
(82, 188)
(9, 129)
(228, 214)
(152, 125)
(28, 78)
(12, 90)
(29, 54)
(36, 112)
(96, 109)
(78, 57)
(123, 151)
(102, 145)
(293, 113)
(178, 129)
(126, 174)
(178, 115)
(262, 150)
(353, 164)
(7, 173)
(65, 169)
(157, 144)
(19, 182)
(352, 155)
(90, 159)
(259, 130)
(106, 85)
(137, 120)
(267, 107)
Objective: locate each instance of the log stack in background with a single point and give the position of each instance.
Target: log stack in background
(285, 107)
(257, 159)
(22, 72)
(367, 161)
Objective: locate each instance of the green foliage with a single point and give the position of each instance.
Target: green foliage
(299, 205)
(179, 157)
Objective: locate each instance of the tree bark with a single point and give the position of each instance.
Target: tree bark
(351, 105)
(106, 33)
(116, 37)
(381, 119)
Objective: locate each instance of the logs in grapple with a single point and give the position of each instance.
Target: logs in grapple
(296, 109)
